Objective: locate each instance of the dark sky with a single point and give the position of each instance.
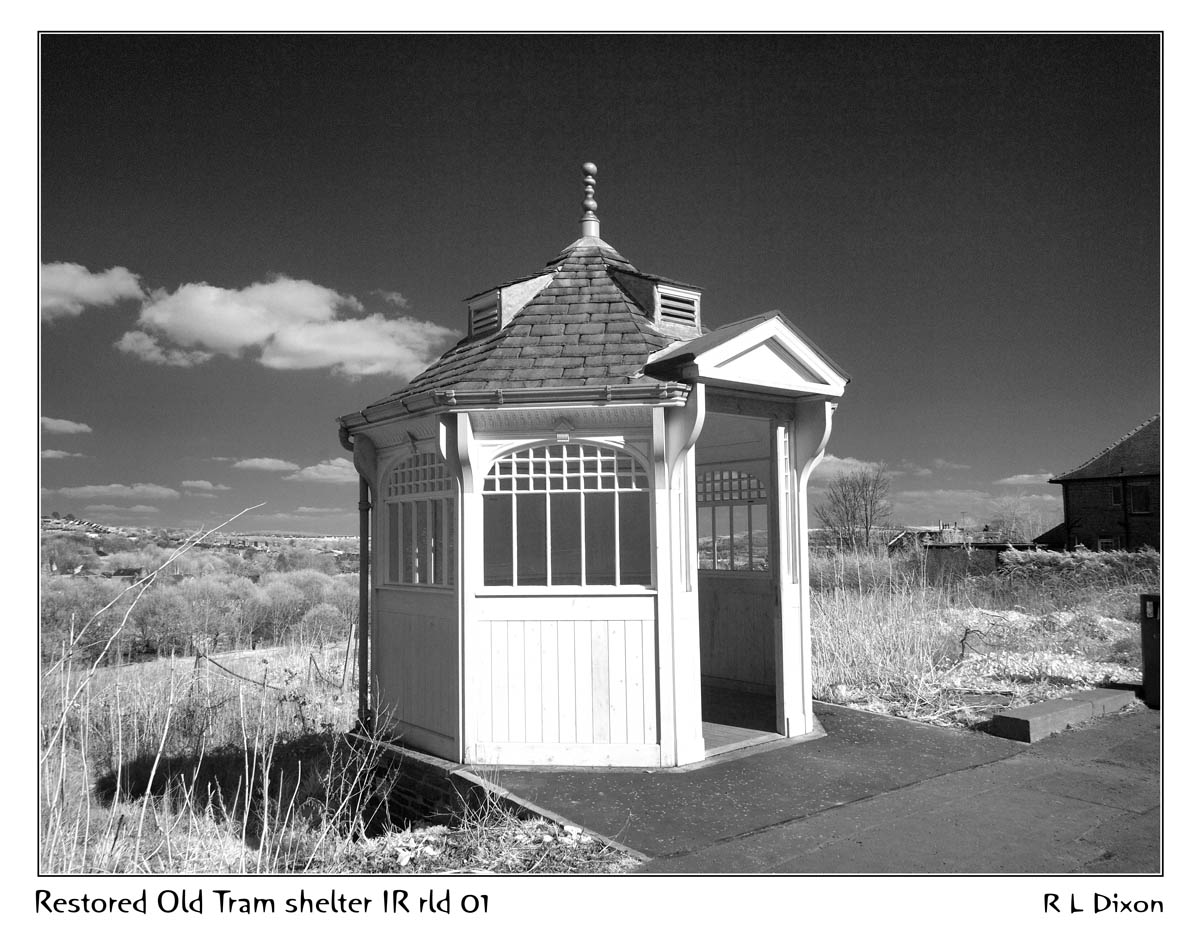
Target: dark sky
(969, 225)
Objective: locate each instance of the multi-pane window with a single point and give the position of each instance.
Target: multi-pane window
(1115, 490)
(566, 514)
(418, 502)
(732, 523)
(1139, 498)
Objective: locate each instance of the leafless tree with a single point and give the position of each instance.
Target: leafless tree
(855, 503)
(1018, 518)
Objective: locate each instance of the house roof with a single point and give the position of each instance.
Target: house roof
(1135, 454)
(581, 330)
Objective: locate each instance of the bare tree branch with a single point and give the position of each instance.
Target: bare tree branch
(855, 503)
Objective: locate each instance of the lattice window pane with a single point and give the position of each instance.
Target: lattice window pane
(419, 536)
(562, 506)
(732, 521)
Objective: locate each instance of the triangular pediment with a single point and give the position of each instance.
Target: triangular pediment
(768, 361)
(762, 353)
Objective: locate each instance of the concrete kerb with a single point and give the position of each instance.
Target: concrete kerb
(440, 790)
(1031, 723)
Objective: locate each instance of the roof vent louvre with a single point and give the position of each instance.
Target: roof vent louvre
(678, 307)
(484, 313)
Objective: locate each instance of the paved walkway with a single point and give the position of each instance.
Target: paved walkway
(884, 795)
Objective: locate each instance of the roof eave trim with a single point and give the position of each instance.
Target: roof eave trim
(661, 393)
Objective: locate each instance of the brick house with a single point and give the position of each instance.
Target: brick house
(1114, 500)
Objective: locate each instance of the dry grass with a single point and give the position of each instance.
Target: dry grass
(236, 763)
(1047, 624)
(180, 767)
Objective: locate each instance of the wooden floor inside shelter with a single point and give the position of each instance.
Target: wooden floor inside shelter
(734, 719)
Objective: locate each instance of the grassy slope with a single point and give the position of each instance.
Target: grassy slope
(196, 766)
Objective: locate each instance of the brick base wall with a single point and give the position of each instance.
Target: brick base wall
(431, 790)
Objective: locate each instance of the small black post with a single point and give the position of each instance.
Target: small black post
(364, 589)
(1152, 650)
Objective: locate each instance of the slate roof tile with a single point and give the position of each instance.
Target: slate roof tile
(581, 329)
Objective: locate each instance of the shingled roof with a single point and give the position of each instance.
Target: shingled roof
(581, 330)
(1136, 454)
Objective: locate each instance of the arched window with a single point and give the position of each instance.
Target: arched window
(418, 502)
(731, 515)
(566, 515)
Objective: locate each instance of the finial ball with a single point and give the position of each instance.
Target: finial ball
(589, 168)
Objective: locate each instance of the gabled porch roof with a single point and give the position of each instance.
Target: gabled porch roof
(767, 353)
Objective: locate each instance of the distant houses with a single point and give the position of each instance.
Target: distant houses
(1114, 499)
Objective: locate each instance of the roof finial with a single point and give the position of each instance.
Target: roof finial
(591, 225)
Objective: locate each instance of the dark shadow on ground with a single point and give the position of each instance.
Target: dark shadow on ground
(317, 779)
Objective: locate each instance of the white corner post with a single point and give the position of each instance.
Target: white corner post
(679, 617)
(800, 445)
(457, 439)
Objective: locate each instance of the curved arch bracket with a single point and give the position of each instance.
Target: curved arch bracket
(683, 431)
(366, 459)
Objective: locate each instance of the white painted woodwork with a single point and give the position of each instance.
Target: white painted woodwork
(768, 363)
(809, 435)
(573, 675)
(606, 676)
(415, 668)
(676, 433)
(769, 357)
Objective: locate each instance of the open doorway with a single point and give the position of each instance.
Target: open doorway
(737, 580)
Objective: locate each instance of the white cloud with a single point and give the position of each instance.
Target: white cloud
(332, 471)
(927, 507)
(112, 509)
(146, 347)
(830, 466)
(121, 491)
(394, 297)
(67, 289)
(202, 485)
(945, 465)
(58, 453)
(319, 510)
(229, 321)
(357, 347)
(290, 325)
(1025, 479)
(266, 464)
(946, 497)
(64, 426)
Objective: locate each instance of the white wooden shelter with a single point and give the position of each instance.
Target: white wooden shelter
(586, 510)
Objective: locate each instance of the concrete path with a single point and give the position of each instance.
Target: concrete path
(885, 795)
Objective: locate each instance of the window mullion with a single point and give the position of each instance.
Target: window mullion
(729, 513)
(749, 536)
(430, 574)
